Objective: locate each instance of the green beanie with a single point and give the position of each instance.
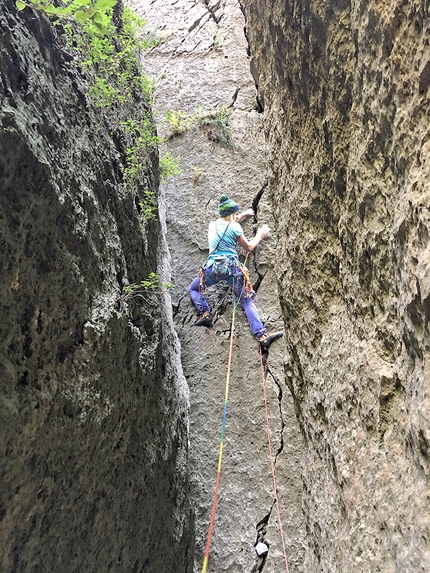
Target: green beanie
(227, 206)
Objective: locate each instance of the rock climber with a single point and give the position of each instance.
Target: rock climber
(223, 265)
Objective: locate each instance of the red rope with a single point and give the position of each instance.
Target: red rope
(272, 463)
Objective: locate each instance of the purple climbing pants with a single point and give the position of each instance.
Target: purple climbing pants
(247, 303)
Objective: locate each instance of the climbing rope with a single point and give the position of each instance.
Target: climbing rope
(272, 463)
(221, 444)
(224, 419)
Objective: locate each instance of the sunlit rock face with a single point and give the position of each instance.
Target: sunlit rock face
(93, 403)
(345, 90)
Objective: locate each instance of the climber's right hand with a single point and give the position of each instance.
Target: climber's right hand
(264, 231)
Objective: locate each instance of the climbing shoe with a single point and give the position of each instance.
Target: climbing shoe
(269, 337)
(204, 320)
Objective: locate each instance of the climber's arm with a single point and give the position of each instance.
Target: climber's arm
(249, 245)
(241, 216)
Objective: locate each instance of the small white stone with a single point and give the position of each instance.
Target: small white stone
(261, 549)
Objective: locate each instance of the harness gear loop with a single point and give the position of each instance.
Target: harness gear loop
(233, 262)
(249, 289)
(221, 444)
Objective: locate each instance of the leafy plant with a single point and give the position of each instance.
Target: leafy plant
(150, 284)
(97, 13)
(114, 60)
(169, 166)
(148, 207)
(218, 126)
(178, 122)
(144, 138)
(216, 122)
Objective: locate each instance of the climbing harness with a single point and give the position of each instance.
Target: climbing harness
(231, 264)
(221, 444)
(225, 265)
(272, 464)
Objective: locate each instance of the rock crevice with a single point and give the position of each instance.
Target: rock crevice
(215, 80)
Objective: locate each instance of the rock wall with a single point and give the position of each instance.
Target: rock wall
(93, 400)
(202, 65)
(345, 89)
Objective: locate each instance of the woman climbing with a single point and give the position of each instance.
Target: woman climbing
(223, 265)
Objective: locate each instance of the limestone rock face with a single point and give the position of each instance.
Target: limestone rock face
(202, 68)
(345, 89)
(93, 411)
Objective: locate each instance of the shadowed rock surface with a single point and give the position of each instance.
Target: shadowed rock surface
(93, 401)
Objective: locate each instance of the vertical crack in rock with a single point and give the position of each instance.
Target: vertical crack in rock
(281, 418)
(255, 204)
(260, 276)
(263, 523)
(258, 197)
(176, 307)
(261, 529)
(234, 98)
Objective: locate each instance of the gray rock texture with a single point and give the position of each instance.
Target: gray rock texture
(93, 402)
(201, 65)
(345, 89)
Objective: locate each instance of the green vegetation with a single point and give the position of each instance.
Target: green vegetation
(143, 138)
(143, 290)
(169, 166)
(150, 284)
(215, 122)
(218, 126)
(95, 13)
(178, 122)
(148, 207)
(112, 59)
(109, 54)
